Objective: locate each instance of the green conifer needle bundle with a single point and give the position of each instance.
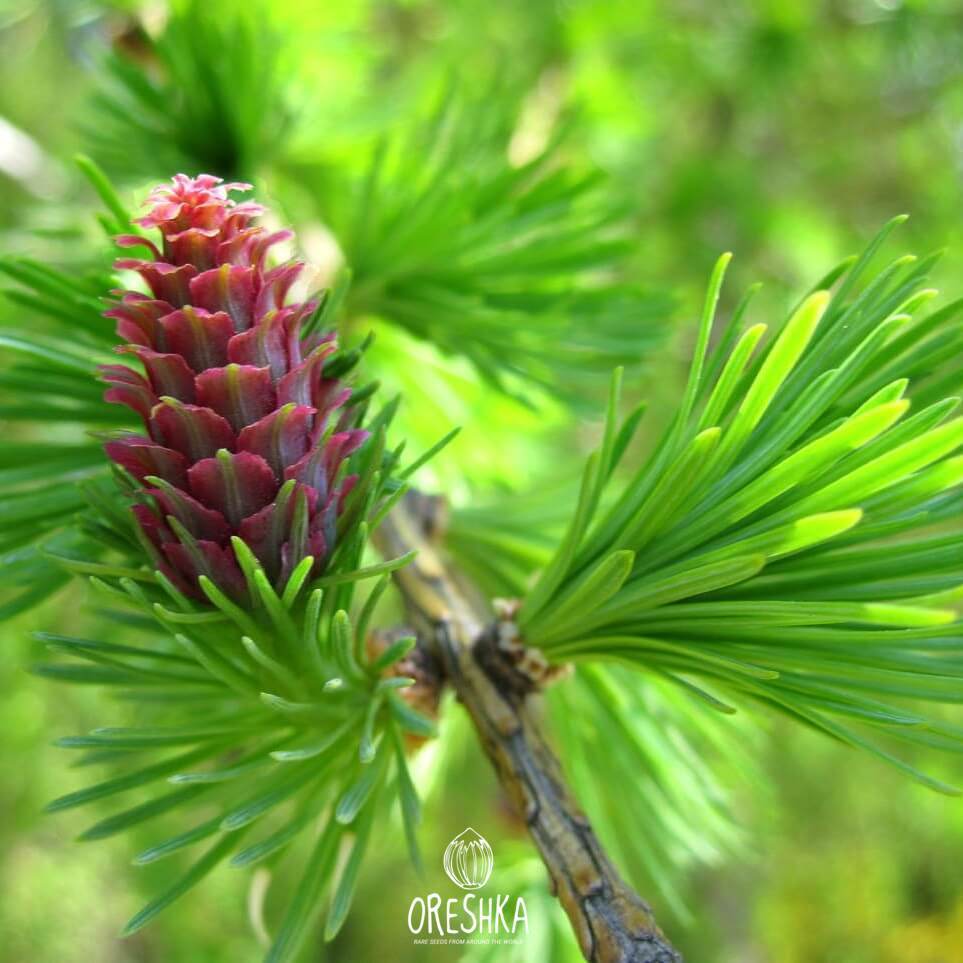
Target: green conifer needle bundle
(794, 538)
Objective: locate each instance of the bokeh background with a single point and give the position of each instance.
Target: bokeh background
(786, 131)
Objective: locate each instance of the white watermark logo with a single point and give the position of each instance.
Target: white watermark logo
(469, 860)
(472, 918)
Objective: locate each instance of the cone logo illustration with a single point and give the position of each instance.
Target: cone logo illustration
(469, 860)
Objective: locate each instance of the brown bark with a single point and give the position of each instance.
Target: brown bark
(612, 923)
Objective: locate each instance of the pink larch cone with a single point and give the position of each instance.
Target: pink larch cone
(241, 437)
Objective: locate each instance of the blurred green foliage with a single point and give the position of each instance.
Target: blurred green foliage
(785, 131)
